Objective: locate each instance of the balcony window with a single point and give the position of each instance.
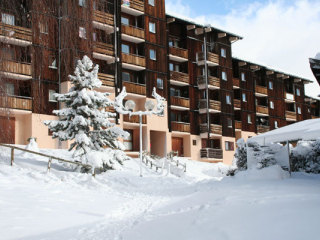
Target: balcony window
(228, 99)
(249, 119)
(271, 104)
(126, 77)
(82, 3)
(271, 85)
(44, 27)
(275, 124)
(125, 48)
(125, 20)
(159, 83)
(94, 37)
(244, 97)
(8, 54)
(299, 110)
(82, 33)
(224, 76)
(51, 95)
(52, 62)
(298, 91)
(229, 122)
(151, 3)
(152, 27)
(171, 66)
(229, 146)
(10, 89)
(153, 55)
(128, 143)
(223, 52)
(7, 18)
(243, 77)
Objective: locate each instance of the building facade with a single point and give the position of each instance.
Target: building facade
(213, 98)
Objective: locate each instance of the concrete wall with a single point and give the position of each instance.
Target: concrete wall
(228, 155)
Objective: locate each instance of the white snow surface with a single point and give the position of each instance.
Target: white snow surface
(201, 204)
(318, 56)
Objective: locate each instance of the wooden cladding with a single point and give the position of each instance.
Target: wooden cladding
(17, 32)
(291, 115)
(16, 102)
(179, 76)
(263, 129)
(236, 82)
(214, 129)
(211, 153)
(238, 124)
(211, 57)
(134, 4)
(314, 117)
(262, 110)
(180, 127)
(179, 52)
(15, 67)
(179, 101)
(103, 48)
(103, 17)
(135, 88)
(133, 59)
(214, 105)
(133, 31)
(134, 119)
(237, 103)
(213, 81)
(106, 79)
(261, 90)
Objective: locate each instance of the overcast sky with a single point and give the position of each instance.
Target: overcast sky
(282, 34)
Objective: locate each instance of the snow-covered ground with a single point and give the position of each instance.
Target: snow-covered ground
(201, 204)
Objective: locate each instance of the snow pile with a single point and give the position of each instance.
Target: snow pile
(32, 146)
(274, 172)
(318, 56)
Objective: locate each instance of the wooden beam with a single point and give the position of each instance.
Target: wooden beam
(254, 67)
(280, 75)
(171, 20)
(209, 29)
(297, 80)
(221, 35)
(285, 77)
(241, 64)
(269, 72)
(190, 27)
(232, 39)
(199, 31)
(306, 82)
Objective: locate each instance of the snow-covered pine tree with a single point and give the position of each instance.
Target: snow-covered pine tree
(85, 120)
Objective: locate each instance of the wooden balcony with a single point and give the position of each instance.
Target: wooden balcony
(213, 82)
(103, 51)
(289, 97)
(237, 103)
(134, 60)
(236, 83)
(262, 129)
(103, 17)
(179, 77)
(15, 70)
(211, 153)
(212, 59)
(291, 116)
(238, 124)
(314, 117)
(135, 88)
(180, 102)
(260, 90)
(134, 34)
(16, 102)
(214, 129)
(134, 119)
(180, 127)
(15, 35)
(133, 7)
(213, 105)
(106, 79)
(262, 110)
(178, 54)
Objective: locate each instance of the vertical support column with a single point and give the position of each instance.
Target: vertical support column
(49, 164)
(12, 156)
(140, 120)
(207, 87)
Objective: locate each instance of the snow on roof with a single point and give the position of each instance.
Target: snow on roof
(191, 21)
(318, 56)
(305, 130)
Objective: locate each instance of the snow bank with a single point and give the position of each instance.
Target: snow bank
(274, 172)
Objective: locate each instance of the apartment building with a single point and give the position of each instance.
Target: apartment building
(213, 98)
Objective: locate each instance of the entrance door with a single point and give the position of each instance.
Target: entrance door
(177, 145)
(7, 130)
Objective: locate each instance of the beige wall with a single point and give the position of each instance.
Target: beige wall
(228, 155)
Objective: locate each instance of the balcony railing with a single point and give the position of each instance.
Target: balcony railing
(15, 67)
(179, 76)
(180, 101)
(237, 103)
(16, 32)
(106, 79)
(263, 129)
(314, 117)
(103, 17)
(135, 88)
(16, 102)
(180, 127)
(133, 31)
(179, 52)
(262, 110)
(135, 4)
(262, 90)
(103, 48)
(133, 59)
(236, 82)
(211, 57)
(238, 124)
(289, 96)
(214, 129)
(211, 153)
(291, 115)
(214, 105)
(213, 81)
(134, 119)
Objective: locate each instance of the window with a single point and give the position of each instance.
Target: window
(82, 3)
(82, 33)
(128, 142)
(171, 67)
(243, 77)
(159, 83)
(43, 27)
(51, 97)
(152, 27)
(223, 52)
(299, 110)
(153, 55)
(229, 122)
(124, 20)
(249, 119)
(125, 48)
(229, 146)
(7, 18)
(126, 77)
(94, 37)
(271, 104)
(224, 76)
(298, 91)
(275, 124)
(228, 99)
(270, 85)
(8, 54)
(9, 88)
(194, 142)
(244, 97)
(52, 62)
(151, 2)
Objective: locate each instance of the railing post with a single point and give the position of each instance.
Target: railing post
(94, 172)
(49, 164)
(12, 156)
